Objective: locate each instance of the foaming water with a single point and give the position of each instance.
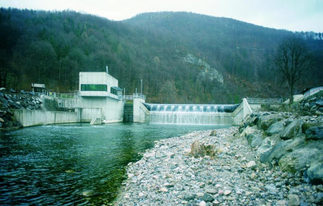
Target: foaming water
(191, 118)
(191, 114)
(75, 164)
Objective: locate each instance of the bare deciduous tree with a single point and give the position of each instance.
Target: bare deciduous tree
(292, 60)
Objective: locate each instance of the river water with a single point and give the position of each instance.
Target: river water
(73, 164)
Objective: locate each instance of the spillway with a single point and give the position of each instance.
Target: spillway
(191, 114)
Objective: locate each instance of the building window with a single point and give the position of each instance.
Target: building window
(114, 91)
(94, 87)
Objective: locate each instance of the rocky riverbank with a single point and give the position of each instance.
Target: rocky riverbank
(11, 100)
(211, 168)
(293, 142)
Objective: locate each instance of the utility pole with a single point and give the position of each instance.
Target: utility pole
(141, 86)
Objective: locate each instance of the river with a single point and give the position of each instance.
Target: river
(75, 163)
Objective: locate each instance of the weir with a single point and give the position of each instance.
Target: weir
(100, 98)
(191, 114)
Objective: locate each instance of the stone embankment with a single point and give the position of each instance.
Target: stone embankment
(292, 140)
(10, 100)
(294, 143)
(211, 168)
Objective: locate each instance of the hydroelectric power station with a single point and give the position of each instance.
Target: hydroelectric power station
(100, 100)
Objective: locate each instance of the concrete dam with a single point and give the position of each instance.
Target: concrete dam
(100, 100)
(191, 114)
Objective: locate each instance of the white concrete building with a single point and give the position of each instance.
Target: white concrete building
(100, 97)
(98, 84)
(38, 88)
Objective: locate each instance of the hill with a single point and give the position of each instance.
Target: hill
(181, 57)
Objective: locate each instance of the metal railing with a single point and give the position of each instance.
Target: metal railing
(265, 100)
(133, 96)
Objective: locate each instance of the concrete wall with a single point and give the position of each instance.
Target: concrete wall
(241, 112)
(87, 114)
(109, 109)
(140, 112)
(87, 108)
(40, 117)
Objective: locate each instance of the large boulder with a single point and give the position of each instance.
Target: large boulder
(255, 139)
(267, 119)
(292, 130)
(276, 128)
(315, 173)
(314, 133)
(319, 102)
(298, 159)
(248, 130)
(4, 102)
(281, 149)
(265, 146)
(251, 120)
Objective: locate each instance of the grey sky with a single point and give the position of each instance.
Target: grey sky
(294, 15)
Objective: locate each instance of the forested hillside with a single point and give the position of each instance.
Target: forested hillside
(181, 57)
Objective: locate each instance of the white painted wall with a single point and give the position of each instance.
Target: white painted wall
(241, 112)
(39, 117)
(88, 114)
(108, 109)
(140, 112)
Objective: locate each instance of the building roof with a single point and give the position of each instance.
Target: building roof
(38, 85)
(117, 88)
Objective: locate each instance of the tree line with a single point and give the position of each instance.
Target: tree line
(53, 47)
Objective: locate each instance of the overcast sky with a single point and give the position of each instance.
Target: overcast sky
(294, 15)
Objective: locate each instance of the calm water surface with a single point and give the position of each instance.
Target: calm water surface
(73, 164)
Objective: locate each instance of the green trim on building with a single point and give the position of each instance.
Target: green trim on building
(94, 87)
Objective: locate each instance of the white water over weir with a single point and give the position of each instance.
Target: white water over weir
(191, 114)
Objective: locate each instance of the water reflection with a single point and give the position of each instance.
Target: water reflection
(73, 164)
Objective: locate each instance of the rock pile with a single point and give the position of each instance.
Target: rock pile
(293, 142)
(10, 100)
(169, 174)
(313, 104)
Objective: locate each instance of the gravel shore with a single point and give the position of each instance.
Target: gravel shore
(168, 175)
